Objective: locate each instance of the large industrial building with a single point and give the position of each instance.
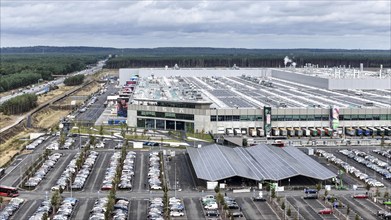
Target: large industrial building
(266, 102)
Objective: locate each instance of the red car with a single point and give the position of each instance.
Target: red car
(360, 196)
(326, 211)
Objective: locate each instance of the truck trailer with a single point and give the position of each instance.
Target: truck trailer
(252, 132)
(283, 132)
(260, 132)
(298, 132)
(291, 132)
(276, 132)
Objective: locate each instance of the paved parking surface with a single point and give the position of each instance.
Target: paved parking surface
(193, 208)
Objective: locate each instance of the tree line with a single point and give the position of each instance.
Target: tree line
(19, 70)
(74, 80)
(19, 104)
(248, 61)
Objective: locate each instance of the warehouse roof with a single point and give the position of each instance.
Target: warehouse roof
(261, 162)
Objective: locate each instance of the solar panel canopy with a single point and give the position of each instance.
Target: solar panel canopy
(261, 162)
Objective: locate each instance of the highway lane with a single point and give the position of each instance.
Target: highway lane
(57, 81)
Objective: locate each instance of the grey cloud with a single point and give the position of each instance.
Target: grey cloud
(178, 21)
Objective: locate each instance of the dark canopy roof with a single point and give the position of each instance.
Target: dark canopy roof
(261, 162)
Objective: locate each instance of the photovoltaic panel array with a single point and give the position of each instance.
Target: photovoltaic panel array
(261, 162)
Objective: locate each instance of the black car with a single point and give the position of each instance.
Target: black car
(232, 206)
(212, 213)
(259, 199)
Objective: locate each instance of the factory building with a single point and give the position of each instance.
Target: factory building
(259, 102)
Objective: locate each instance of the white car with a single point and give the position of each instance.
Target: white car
(177, 214)
(156, 187)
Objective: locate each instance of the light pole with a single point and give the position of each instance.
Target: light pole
(175, 180)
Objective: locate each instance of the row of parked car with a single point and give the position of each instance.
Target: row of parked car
(110, 171)
(176, 207)
(66, 209)
(155, 209)
(127, 171)
(47, 165)
(66, 174)
(154, 171)
(11, 208)
(370, 162)
(121, 209)
(85, 170)
(36, 142)
(99, 209)
(45, 207)
(349, 168)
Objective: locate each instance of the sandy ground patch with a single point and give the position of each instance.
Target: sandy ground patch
(6, 120)
(49, 117)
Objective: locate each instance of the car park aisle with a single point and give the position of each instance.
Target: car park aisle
(27, 209)
(193, 208)
(140, 172)
(316, 205)
(304, 209)
(357, 207)
(94, 181)
(50, 180)
(82, 211)
(138, 209)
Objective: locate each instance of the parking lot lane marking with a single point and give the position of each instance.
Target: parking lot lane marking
(28, 210)
(142, 165)
(97, 171)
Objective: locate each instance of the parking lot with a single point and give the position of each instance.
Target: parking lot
(188, 189)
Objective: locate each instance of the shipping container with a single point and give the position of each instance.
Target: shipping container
(350, 131)
(252, 132)
(260, 132)
(276, 132)
(291, 132)
(283, 132)
(298, 132)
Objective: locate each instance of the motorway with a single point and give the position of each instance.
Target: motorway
(58, 81)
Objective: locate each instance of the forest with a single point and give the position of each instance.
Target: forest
(19, 104)
(22, 66)
(19, 70)
(74, 80)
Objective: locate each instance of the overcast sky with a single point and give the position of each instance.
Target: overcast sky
(354, 24)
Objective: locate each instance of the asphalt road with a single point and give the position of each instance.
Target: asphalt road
(58, 81)
(94, 111)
